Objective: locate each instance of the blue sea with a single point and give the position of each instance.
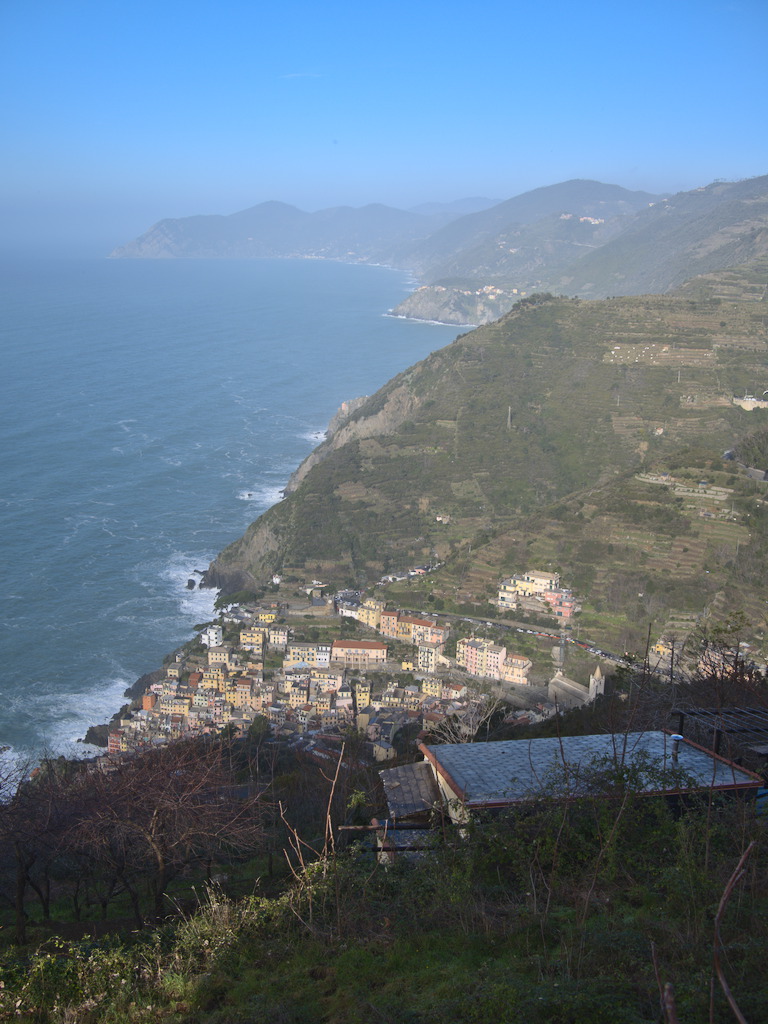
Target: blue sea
(151, 410)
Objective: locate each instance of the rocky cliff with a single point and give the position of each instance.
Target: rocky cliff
(356, 420)
(464, 306)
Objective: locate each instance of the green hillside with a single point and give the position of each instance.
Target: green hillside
(545, 437)
(529, 225)
(591, 249)
(707, 229)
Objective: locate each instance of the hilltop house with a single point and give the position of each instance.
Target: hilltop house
(533, 584)
(536, 587)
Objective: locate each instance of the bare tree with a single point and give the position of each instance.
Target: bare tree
(32, 814)
(472, 722)
(153, 814)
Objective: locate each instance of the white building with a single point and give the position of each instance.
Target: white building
(212, 636)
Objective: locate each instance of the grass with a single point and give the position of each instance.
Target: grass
(544, 918)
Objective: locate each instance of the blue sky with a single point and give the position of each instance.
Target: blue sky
(115, 114)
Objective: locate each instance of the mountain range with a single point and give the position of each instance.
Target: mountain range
(616, 430)
(475, 258)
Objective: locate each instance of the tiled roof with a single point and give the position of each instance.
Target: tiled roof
(368, 645)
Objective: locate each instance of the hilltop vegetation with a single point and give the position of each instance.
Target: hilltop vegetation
(589, 436)
(722, 225)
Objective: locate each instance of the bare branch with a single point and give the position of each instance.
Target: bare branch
(718, 942)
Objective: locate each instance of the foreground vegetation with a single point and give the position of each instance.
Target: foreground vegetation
(231, 882)
(559, 913)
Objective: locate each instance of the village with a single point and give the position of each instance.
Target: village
(255, 667)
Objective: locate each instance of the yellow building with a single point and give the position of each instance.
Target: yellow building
(214, 678)
(532, 584)
(298, 696)
(218, 655)
(323, 701)
(432, 687)
(359, 653)
(370, 613)
(515, 669)
(242, 694)
(252, 639)
(362, 694)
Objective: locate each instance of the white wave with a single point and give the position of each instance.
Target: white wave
(74, 713)
(263, 495)
(195, 605)
(198, 605)
(9, 757)
(314, 436)
(429, 323)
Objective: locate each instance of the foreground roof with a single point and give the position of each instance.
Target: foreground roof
(513, 771)
(411, 789)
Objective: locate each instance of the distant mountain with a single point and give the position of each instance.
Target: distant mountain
(593, 248)
(708, 229)
(458, 208)
(429, 239)
(370, 233)
(578, 237)
(479, 244)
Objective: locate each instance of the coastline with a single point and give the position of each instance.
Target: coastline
(154, 456)
(137, 689)
(424, 320)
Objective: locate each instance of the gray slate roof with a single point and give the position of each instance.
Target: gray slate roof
(411, 789)
(517, 770)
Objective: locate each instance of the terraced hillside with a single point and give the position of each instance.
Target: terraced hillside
(586, 435)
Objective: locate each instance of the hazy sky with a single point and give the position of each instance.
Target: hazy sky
(115, 114)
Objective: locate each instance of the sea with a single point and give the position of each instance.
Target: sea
(151, 410)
